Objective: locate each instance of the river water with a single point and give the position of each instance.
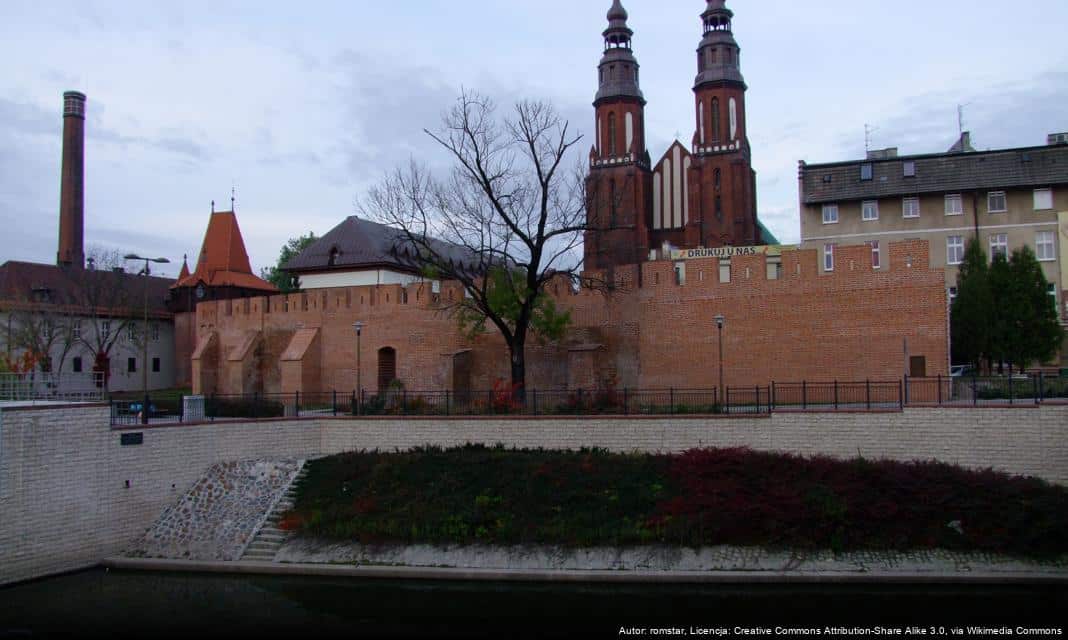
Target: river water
(148, 604)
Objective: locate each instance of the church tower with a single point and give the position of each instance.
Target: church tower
(722, 183)
(618, 184)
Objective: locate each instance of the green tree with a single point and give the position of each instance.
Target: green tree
(970, 322)
(1002, 313)
(280, 278)
(1036, 332)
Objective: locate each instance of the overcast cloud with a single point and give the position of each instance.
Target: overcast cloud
(303, 105)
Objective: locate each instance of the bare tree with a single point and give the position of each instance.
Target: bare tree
(109, 305)
(506, 220)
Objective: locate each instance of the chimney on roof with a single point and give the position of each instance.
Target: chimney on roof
(1057, 138)
(882, 154)
(72, 184)
(964, 144)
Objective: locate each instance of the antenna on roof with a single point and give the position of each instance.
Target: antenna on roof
(213, 206)
(960, 117)
(233, 195)
(868, 130)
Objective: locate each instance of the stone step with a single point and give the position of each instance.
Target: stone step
(272, 530)
(276, 538)
(260, 545)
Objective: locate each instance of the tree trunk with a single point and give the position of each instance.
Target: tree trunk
(519, 371)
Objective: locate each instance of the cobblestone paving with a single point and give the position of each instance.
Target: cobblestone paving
(722, 558)
(219, 516)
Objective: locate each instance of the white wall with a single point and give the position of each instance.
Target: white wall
(124, 348)
(65, 503)
(356, 278)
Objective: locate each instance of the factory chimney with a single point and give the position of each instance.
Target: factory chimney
(72, 192)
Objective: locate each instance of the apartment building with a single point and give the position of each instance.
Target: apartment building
(1006, 198)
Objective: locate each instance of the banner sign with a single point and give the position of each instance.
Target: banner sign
(728, 252)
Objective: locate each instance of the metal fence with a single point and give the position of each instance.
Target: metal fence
(52, 387)
(1035, 388)
(867, 395)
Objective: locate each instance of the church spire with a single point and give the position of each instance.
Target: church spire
(618, 68)
(718, 54)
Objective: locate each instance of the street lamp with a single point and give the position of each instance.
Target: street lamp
(358, 326)
(144, 337)
(719, 325)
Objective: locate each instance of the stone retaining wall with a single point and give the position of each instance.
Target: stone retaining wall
(72, 494)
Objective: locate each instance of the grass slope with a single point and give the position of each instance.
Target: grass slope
(702, 497)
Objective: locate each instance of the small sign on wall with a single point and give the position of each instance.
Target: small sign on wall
(127, 439)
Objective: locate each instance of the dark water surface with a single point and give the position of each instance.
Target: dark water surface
(101, 603)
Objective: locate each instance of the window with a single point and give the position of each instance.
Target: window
(830, 214)
(869, 210)
(715, 119)
(155, 365)
(1051, 289)
(952, 295)
(865, 171)
(76, 330)
(875, 258)
(954, 249)
(611, 135)
(774, 268)
(910, 208)
(105, 328)
(131, 332)
(1043, 199)
(909, 167)
(828, 257)
(999, 243)
(724, 270)
(680, 273)
(995, 202)
(1044, 245)
(155, 331)
(954, 205)
(131, 365)
(76, 364)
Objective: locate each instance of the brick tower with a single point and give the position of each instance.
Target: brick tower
(721, 180)
(72, 180)
(619, 179)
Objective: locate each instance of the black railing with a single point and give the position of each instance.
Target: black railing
(867, 395)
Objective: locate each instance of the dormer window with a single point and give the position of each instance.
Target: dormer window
(909, 167)
(332, 260)
(866, 171)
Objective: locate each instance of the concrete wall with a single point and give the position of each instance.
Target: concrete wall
(65, 503)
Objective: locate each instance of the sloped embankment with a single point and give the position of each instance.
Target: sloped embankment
(219, 516)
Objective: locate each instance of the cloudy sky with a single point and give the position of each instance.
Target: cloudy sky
(303, 105)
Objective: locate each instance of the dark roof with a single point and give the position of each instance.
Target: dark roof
(122, 293)
(942, 172)
(364, 244)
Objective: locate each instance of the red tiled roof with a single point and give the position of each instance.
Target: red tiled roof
(223, 260)
(31, 283)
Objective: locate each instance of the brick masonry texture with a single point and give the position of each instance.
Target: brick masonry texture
(65, 503)
(851, 324)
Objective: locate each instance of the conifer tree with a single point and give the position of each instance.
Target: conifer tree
(970, 321)
(1036, 332)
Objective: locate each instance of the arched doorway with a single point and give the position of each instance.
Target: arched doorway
(387, 367)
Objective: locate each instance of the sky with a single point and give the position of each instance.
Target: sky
(298, 108)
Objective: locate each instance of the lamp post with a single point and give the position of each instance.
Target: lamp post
(719, 325)
(144, 337)
(358, 326)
